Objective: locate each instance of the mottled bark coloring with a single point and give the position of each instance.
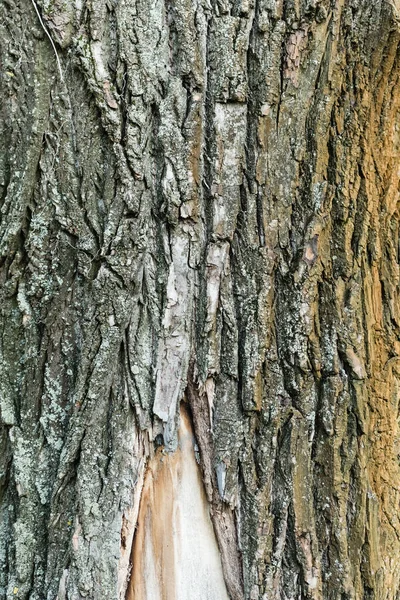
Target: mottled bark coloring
(199, 209)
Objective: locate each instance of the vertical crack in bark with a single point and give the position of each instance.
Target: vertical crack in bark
(222, 514)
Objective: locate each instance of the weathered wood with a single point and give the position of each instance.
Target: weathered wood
(199, 204)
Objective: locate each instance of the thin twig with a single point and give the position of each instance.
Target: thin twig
(50, 38)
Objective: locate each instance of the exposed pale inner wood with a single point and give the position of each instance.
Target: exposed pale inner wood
(175, 554)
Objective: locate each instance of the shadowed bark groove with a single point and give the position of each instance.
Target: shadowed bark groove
(203, 208)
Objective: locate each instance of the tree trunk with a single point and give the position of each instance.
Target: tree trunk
(200, 315)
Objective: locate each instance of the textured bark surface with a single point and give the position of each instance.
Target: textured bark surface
(199, 204)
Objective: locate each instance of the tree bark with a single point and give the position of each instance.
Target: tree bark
(199, 238)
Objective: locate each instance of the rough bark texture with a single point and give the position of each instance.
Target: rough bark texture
(199, 204)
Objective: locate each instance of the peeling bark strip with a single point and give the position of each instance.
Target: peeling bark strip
(206, 202)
